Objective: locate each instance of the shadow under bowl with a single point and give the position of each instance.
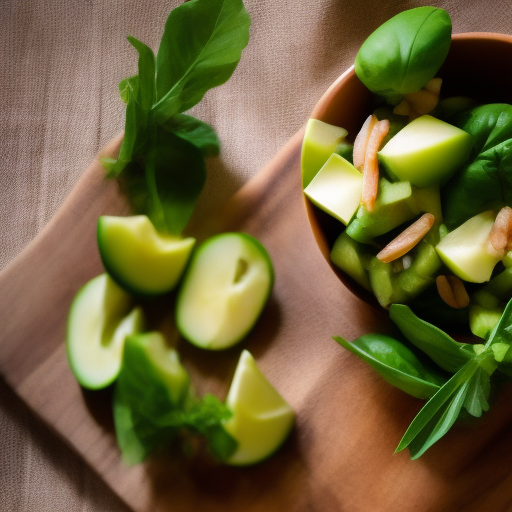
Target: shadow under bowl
(477, 66)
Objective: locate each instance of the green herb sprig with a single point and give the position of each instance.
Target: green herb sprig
(471, 367)
(161, 161)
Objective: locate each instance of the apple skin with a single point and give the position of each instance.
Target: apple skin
(427, 152)
(320, 141)
(465, 250)
(213, 310)
(336, 189)
(139, 259)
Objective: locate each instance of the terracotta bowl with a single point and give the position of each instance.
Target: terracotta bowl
(476, 66)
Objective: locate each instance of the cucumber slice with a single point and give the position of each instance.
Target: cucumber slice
(138, 258)
(100, 318)
(320, 141)
(465, 250)
(224, 291)
(261, 419)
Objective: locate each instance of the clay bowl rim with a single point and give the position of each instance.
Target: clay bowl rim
(322, 110)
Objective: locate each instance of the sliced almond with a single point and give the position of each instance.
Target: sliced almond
(500, 237)
(402, 109)
(422, 101)
(453, 292)
(371, 164)
(434, 86)
(406, 240)
(361, 141)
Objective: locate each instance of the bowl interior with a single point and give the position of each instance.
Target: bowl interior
(476, 66)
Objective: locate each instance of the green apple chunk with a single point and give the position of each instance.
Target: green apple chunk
(138, 258)
(224, 291)
(350, 256)
(100, 318)
(337, 188)
(426, 152)
(320, 141)
(465, 250)
(391, 209)
(261, 419)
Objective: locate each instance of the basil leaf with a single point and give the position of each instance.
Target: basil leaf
(441, 348)
(175, 175)
(200, 48)
(128, 88)
(146, 390)
(404, 53)
(146, 92)
(439, 413)
(395, 363)
(195, 131)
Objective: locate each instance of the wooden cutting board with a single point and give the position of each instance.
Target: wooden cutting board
(349, 421)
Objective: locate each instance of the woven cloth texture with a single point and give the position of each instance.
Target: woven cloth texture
(60, 64)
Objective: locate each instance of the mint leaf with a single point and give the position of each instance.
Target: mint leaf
(128, 87)
(146, 90)
(195, 131)
(200, 48)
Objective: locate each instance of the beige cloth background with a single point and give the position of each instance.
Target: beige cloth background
(60, 63)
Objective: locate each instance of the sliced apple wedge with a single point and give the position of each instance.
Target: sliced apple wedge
(224, 290)
(140, 259)
(261, 419)
(100, 318)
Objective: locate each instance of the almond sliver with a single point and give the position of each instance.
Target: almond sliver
(402, 109)
(362, 141)
(453, 292)
(434, 86)
(406, 240)
(371, 164)
(422, 101)
(499, 237)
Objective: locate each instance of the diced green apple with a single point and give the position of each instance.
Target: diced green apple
(482, 321)
(348, 255)
(224, 290)
(426, 152)
(100, 318)
(336, 188)
(391, 209)
(465, 250)
(261, 420)
(138, 258)
(320, 141)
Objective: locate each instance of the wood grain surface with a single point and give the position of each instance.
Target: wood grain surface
(349, 421)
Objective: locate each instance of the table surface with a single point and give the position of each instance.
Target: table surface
(61, 62)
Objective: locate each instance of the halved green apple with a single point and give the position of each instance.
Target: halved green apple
(100, 318)
(426, 152)
(466, 252)
(261, 420)
(224, 290)
(336, 188)
(140, 259)
(320, 141)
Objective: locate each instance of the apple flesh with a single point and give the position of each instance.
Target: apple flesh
(336, 188)
(426, 152)
(320, 141)
(138, 258)
(224, 290)
(261, 419)
(100, 318)
(465, 250)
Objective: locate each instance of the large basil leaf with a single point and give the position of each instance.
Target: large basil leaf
(485, 183)
(404, 53)
(395, 363)
(200, 48)
(175, 175)
(441, 348)
(195, 131)
(439, 413)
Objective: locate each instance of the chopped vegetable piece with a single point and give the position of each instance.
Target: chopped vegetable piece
(451, 289)
(408, 239)
(371, 164)
(361, 141)
(434, 86)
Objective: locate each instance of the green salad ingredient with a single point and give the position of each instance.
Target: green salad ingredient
(224, 290)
